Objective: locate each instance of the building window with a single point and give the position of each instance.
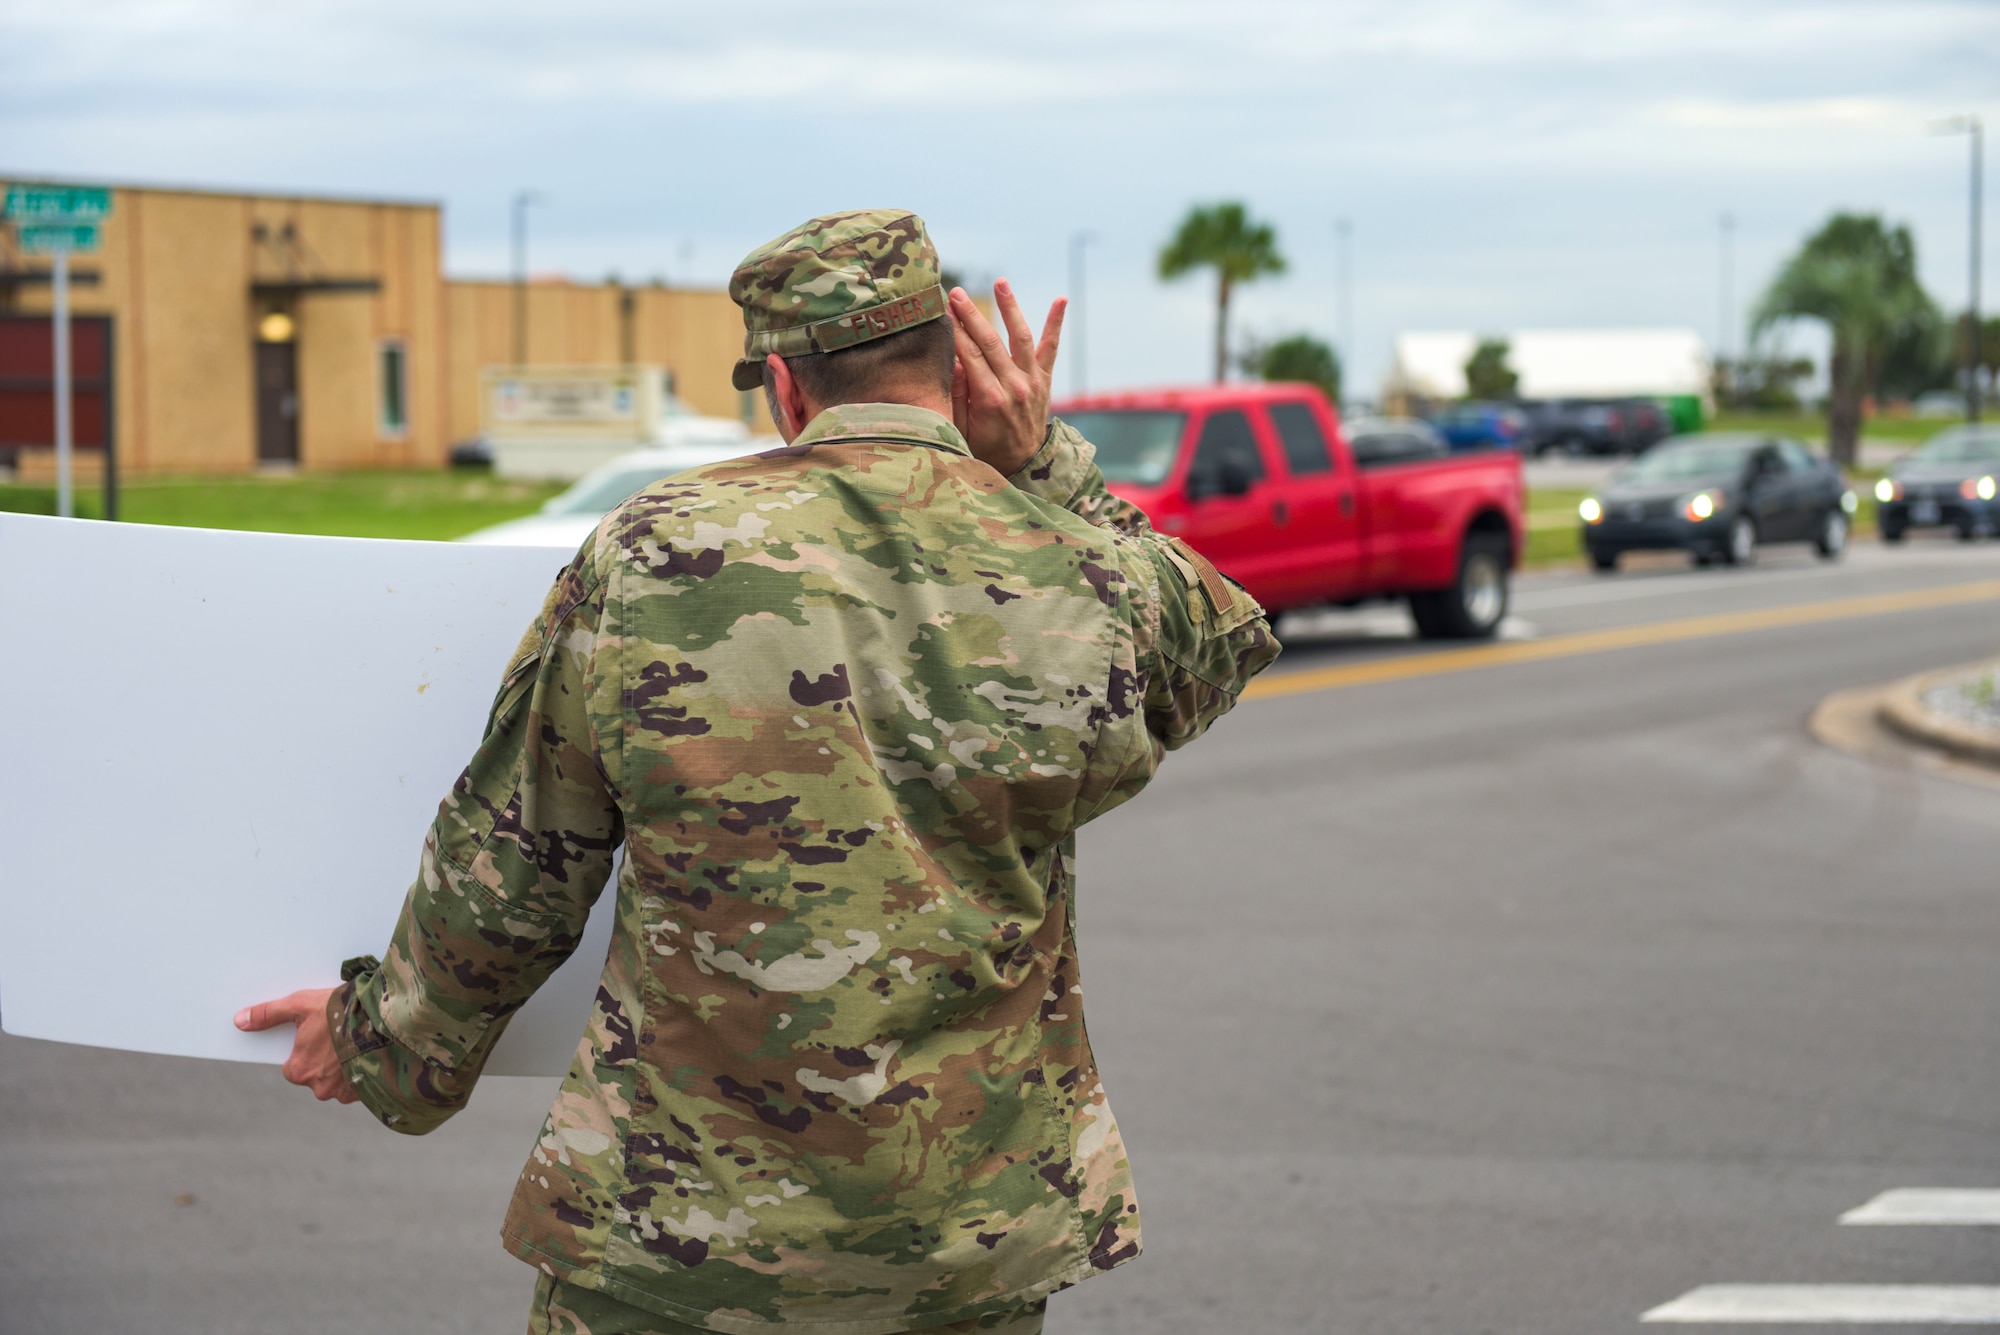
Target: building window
(394, 414)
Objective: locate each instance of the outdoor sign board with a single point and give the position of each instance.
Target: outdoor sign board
(574, 402)
(56, 203)
(53, 238)
(229, 824)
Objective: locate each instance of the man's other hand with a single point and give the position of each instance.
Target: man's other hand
(313, 1062)
(1000, 392)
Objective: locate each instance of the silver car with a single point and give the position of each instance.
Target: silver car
(566, 520)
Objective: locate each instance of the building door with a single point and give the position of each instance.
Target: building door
(277, 403)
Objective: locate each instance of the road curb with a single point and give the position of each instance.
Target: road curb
(1902, 711)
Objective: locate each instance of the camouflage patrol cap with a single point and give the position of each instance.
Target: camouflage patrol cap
(832, 282)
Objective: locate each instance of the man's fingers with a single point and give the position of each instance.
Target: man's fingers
(1019, 344)
(980, 384)
(1045, 353)
(271, 1014)
(985, 339)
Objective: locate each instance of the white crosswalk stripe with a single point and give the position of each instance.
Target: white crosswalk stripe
(1928, 1205)
(1825, 1304)
(1860, 1304)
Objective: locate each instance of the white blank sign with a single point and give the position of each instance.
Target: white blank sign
(219, 755)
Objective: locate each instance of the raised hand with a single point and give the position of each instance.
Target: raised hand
(1000, 391)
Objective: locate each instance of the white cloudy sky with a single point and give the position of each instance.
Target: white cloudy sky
(1506, 163)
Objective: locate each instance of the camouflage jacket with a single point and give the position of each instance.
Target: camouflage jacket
(844, 706)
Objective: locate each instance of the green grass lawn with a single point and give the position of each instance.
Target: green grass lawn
(408, 504)
(1554, 531)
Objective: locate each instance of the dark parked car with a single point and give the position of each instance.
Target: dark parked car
(1646, 424)
(1949, 479)
(1581, 426)
(1381, 441)
(1719, 495)
(472, 452)
(1480, 426)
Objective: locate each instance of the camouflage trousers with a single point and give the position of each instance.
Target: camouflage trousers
(565, 1309)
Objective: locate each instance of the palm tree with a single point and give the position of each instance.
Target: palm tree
(1240, 251)
(1860, 278)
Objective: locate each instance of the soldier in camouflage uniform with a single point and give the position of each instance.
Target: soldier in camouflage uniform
(843, 705)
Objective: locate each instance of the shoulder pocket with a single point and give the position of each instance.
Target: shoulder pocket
(1222, 600)
(520, 673)
(569, 591)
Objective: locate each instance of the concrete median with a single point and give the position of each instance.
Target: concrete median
(1947, 710)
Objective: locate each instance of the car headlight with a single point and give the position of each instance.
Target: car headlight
(1977, 488)
(1702, 505)
(1849, 502)
(1886, 490)
(1590, 510)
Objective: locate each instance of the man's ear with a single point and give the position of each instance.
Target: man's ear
(790, 398)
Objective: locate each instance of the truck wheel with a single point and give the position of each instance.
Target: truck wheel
(1892, 532)
(1832, 540)
(1604, 563)
(1476, 603)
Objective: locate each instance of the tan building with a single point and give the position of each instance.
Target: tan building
(246, 330)
(696, 334)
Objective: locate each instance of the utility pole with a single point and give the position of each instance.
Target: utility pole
(1725, 318)
(1343, 300)
(1971, 125)
(1078, 334)
(521, 202)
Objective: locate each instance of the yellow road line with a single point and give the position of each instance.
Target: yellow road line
(1625, 637)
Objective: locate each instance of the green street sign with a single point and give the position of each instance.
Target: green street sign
(48, 238)
(56, 203)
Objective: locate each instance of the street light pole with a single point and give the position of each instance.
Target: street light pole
(1078, 339)
(521, 202)
(1971, 125)
(1725, 326)
(1343, 281)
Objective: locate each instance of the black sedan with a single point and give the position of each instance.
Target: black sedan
(1950, 479)
(1719, 495)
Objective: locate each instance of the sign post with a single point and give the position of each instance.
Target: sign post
(65, 424)
(56, 220)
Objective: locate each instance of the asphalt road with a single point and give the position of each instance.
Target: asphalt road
(1521, 996)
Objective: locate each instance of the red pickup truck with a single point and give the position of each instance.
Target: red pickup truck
(1261, 480)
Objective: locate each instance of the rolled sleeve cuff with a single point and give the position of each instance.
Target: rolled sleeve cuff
(1061, 469)
(396, 1085)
